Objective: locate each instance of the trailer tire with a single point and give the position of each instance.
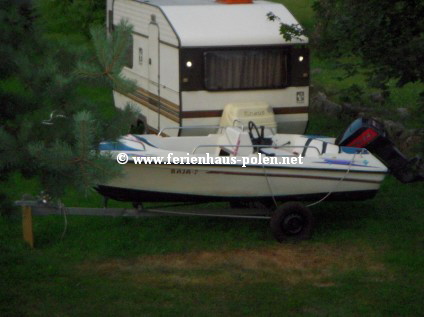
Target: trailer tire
(291, 221)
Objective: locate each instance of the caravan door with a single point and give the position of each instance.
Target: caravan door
(154, 79)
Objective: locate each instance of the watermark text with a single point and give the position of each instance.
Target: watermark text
(260, 159)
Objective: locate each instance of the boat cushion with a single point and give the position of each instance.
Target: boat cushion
(237, 142)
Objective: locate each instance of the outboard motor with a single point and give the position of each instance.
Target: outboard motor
(370, 134)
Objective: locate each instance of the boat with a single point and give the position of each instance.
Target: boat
(238, 164)
(254, 164)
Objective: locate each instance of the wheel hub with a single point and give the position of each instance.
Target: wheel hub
(293, 224)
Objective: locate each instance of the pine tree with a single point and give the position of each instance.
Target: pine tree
(56, 101)
(76, 163)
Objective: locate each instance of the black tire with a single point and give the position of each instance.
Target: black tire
(291, 221)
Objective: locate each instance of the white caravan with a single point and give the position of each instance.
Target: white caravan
(207, 62)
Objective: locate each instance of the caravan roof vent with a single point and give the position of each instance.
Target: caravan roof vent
(234, 1)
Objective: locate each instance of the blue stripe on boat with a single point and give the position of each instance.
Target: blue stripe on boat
(145, 141)
(353, 150)
(315, 136)
(115, 146)
(342, 162)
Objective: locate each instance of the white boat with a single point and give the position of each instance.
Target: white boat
(249, 165)
(238, 164)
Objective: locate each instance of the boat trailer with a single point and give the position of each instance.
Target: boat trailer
(290, 221)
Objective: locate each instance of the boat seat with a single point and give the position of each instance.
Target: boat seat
(237, 142)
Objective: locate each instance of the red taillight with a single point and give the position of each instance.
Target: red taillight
(363, 139)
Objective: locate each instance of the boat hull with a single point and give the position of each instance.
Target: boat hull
(167, 182)
(133, 195)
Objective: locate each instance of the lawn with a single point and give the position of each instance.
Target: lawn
(365, 258)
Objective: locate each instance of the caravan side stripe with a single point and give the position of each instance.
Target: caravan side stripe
(172, 110)
(218, 113)
(149, 100)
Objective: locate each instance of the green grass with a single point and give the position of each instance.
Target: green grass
(365, 259)
(327, 76)
(302, 11)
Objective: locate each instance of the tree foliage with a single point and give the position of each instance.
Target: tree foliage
(52, 117)
(387, 35)
(76, 163)
(288, 31)
(69, 21)
(111, 55)
(15, 24)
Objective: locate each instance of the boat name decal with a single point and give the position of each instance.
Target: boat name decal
(184, 171)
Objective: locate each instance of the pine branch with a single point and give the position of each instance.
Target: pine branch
(110, 53)
(80, 163)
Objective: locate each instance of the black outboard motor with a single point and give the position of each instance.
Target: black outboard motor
(370, 134)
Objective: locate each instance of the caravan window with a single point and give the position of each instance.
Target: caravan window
(245, 69)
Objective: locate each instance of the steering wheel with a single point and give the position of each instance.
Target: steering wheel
(252, 126)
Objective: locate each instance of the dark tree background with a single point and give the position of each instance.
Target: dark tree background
(53, 86)
(387, 35)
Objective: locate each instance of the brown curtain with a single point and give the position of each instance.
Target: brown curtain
(245, 69)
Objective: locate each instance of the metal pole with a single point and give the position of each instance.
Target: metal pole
(27, 226)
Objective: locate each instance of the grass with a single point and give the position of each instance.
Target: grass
(302, 11)
(327, 76)
(365, 259)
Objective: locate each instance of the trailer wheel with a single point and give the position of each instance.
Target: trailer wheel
(291, 221)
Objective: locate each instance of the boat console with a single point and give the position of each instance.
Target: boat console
(259, 138)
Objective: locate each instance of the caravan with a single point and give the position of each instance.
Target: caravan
(207, 62)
